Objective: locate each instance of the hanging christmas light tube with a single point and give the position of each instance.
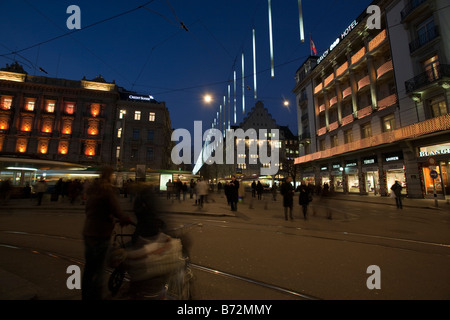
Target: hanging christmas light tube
(300, 19)
(254, 63)
(272, 68)
(243, 85)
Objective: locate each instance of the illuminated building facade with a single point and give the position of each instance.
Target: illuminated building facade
(375, 105)
(72, 121)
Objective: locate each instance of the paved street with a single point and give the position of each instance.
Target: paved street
(252, 250)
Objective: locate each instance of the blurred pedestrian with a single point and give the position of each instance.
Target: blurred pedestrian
(201, 191)
(169, 186)
(304, 198)
(184, 189)
(41, 188)
(397, 190)
(274, 191)
(324, 200)
(5, 190)
(234, 193)
(259, 190)
(254, 189)
(102, 208)
(287, 190)
(27, 191)
(58, 189)
(191, 188)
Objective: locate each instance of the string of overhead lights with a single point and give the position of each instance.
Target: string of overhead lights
(222, 125)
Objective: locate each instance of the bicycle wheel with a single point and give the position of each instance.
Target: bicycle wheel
(115, 281)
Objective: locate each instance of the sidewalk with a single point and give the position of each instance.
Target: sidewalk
(216, 204)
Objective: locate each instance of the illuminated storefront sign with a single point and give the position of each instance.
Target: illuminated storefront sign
(393, 157)
(434, 150)
(368, 161)
(338, 40)
(140, 98)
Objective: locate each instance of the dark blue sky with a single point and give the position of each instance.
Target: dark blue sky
(147, 51)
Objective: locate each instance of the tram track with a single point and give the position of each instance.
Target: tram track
(198, 268)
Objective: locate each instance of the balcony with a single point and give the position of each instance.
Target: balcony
(424, 39)
(410, 8)
(347, 92)
(329, 79)
(427, 78)
(333, 101)
(387, 102)
(342, 69)
(416, 130)
(384, 69)
(333, 126)
(318, 88)
(375, 42)
(358, 56)
(322, 131)
(363, 82)
(347, 119)
(364, 112)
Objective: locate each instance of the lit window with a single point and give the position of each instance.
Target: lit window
(152, 117)
(95, 109)
(119, 133)
(118, 152)
(5, 102)
(122, 114)
(69, 108)
(50, 106)
(137, 115)
(29, 104)
(389, 123)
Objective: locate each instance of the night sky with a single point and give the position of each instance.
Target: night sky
(146, 50)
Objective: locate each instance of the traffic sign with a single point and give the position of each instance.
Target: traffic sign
(434, 174)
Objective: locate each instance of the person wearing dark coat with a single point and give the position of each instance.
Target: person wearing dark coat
(234, 193)
(304, 199)
(102, 208)
(259, 190)
(287, 191)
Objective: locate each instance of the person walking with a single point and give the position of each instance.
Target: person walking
(234, 193)
(102, 208)
(397, 190)
(254, 189)
(201, 191)
(274, 191)
(304, 198)
(259, 190)
(324, 200)
(169, 186)
(287, 191)
(41, 188)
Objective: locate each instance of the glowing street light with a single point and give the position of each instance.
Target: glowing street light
(207, 98)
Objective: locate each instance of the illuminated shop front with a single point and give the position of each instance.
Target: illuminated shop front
(309, 177)
(371, 175)
(394, 169)
(324, 175)
(352, 174)
(337, 181)
(437, 158)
